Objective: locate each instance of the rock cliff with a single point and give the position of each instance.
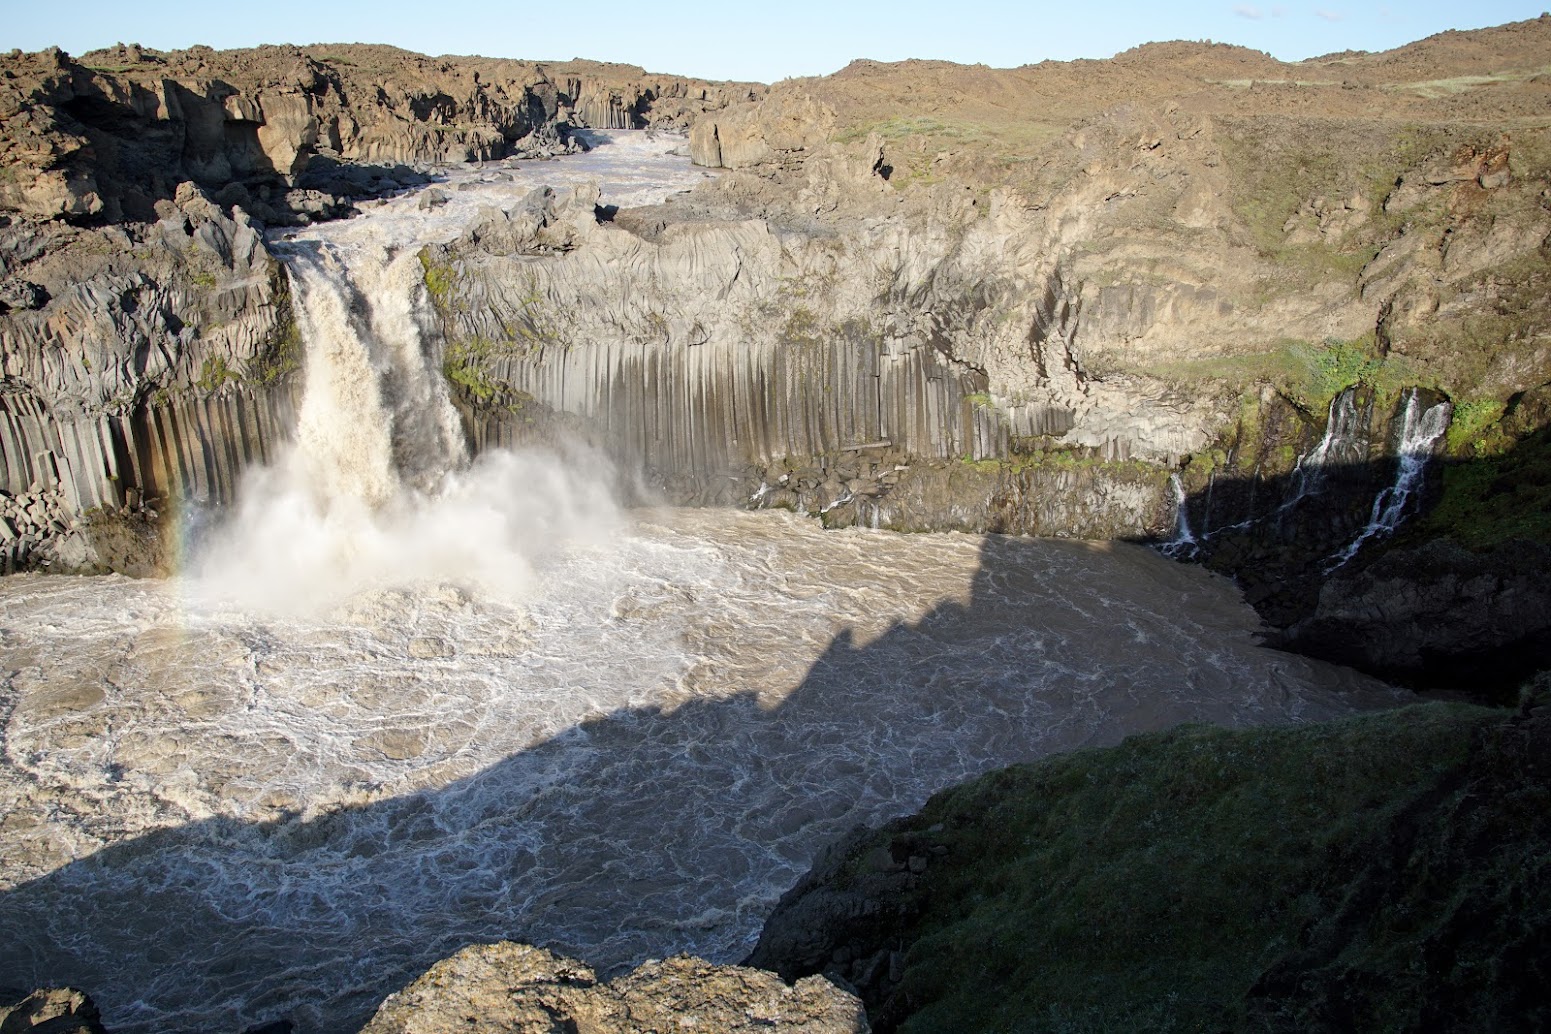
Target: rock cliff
(916, 295)
(292, 133)
(146, 332)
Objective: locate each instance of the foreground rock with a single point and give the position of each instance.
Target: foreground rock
(516, 988)
(50, 1010)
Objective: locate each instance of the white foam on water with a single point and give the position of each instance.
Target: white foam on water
(405, 702)
(218, 816)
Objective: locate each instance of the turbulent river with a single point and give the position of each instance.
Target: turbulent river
(402, 702)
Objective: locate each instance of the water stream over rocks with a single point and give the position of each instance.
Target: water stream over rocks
(403, 702)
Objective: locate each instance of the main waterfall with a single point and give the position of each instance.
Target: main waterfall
(409, 701)
(377, 488)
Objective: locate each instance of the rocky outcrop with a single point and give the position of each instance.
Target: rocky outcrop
(104, 137)
(782, 128)
(159, 366)
(526, 990)
(1436, 614)
(50, 1010)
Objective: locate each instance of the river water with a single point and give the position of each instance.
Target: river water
(403, 702)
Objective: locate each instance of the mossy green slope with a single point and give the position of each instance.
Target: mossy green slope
(1380, 873)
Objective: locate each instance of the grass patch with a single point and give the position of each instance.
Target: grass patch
(1474, 428)
(1308, 373)
(1212, 880)
(1489, 500)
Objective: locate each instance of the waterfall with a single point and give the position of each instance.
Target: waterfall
(1184, 544)
(377, 488)
(1420, 431)
(376, 415)
(1341, 435)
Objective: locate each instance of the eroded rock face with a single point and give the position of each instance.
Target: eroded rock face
(105, 137)
(1438, 615)
(525, 990)
(159, 363)
(49, 1010)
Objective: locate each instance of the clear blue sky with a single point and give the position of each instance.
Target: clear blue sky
(746, 40)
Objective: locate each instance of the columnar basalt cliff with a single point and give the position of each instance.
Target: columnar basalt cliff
(904, 300)
(149, 344)
(1291, 321)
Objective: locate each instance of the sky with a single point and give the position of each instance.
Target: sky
(751, 41)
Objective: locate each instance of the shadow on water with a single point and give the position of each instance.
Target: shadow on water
(649, 831)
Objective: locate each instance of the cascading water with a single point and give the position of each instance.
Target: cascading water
(1339, 444)
(407, 702)
(1419, 434)
(376, 489)
(1183, 545)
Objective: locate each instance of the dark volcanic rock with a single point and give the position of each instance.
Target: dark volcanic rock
(1438, 615)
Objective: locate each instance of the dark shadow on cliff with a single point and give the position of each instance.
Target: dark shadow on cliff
(649, 831)
(1456, 595)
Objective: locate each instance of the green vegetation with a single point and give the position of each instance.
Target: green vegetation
(1308, 373)
(464, 363)
(215, 374)
(1066, 459)
(282, 358)
(440, 279)
(1364, 874)
(1007, 145)
(1497, 497)
(801, 327)
(1474, 428)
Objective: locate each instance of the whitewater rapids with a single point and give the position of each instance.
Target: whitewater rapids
(509, 709)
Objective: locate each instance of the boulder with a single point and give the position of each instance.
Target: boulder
(520, 989)
(49, 1010)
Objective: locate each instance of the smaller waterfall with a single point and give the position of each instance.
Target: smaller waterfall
(1342, 427)
(1420, 432)
(1184, 544)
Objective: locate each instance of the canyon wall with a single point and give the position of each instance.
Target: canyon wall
(292, 133)
(1102, 299)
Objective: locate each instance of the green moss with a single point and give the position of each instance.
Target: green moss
(801, 327)
(283, 355)
(440, 279)
(1148, 886)
(215, 374)
(1492, 499)
(1311, 374)
(1474, 428)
